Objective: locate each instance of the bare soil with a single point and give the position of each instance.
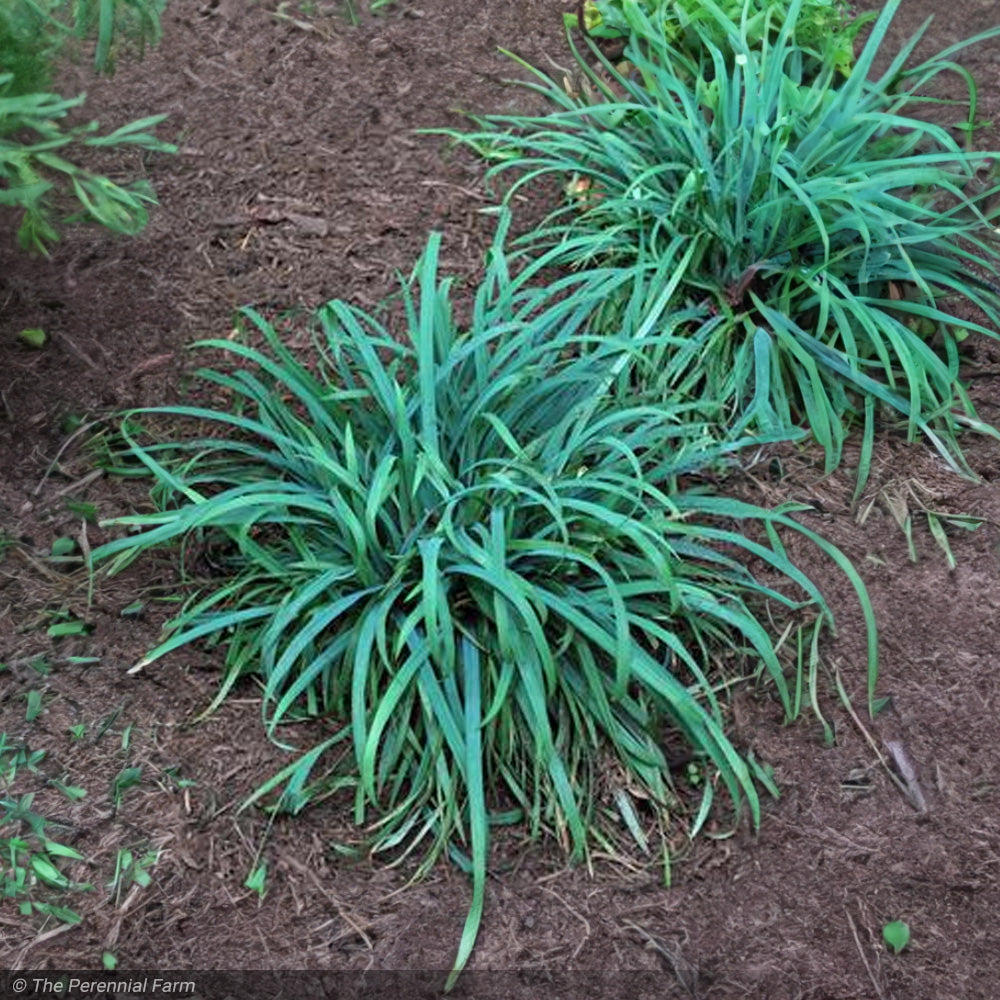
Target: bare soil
(300, 178)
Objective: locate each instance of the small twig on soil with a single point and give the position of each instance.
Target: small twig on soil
(552, 62)
(86, 359)
(46, 571)
(861, 952)
(622, 861)
(306, 26)
(82, 429)
(150, 364)
(47, 936)
(899, 783)
(468, 192)
(264, 942)
(337, 905)
(198, 82)
(579, 916)
(907, 771)
(686, 973)
(79, 483)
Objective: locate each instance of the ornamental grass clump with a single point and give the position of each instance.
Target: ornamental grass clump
(828, 226)
(467, 553)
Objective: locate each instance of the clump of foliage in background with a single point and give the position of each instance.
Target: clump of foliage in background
(35, 33)
(825, 31)
(468, 549)
(27, 47)
(36, 175)
(830, 231)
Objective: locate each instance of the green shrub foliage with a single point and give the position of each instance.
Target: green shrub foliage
(38, 173)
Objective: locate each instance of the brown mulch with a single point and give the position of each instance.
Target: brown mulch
(300, 178)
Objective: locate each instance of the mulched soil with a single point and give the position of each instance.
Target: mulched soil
(300, 178)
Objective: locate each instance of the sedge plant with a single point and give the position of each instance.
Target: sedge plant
(833, 236)
(464, 547)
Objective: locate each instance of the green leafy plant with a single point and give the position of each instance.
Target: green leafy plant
(172, 780)
(72, 792)
(470, 552)
(131, 868)
(33, 337)
(82, 508)
(30, 873)
(825, 30)
(128, 777)
(830, 233)
(31, 172)
(116, 25)
(34, 700)
(13, 757)
(34, 33)
(41, 665)
(29, 40)
(66, 623)
(897, 935)
(256, 881)
(36, 172)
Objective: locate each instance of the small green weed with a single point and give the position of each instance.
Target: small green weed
(131, 868)
(256, 881)
(63, 548)
(41, 665)
(13, 757)
(67, 624)
(33, 337)
(172, 780)
(107, 722)
(30, 873)
(896, 935)
(81, 508)
(128, 777)
(72, 792)
(34, 700)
